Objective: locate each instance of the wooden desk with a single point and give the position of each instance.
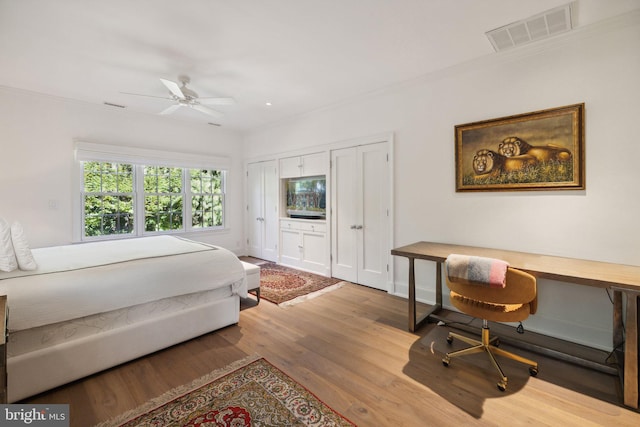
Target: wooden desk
(621, 279)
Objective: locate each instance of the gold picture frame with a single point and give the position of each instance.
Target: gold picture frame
(541, 150)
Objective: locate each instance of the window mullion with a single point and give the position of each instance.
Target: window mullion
(139, 196)
(186, 200)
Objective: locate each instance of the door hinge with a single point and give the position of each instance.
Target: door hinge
(387, 268)
(387, 157)
(247, 241)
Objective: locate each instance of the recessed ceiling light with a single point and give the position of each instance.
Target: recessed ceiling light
(268, 104)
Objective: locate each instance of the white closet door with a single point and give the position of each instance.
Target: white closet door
(262, 199)
(373, 237)
(360, 218)
(344, 193)
(270, 212)
(254, 208)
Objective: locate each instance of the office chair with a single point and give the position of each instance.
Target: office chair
(512, 303)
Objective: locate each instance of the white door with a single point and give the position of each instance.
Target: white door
(344, 218)
(262, 210)
(360, 199)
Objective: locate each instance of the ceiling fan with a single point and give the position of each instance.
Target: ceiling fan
(185, 97)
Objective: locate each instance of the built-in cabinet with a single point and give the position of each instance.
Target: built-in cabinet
(360, 223)
(304, 245)
(326, 212)
(262, 210)
(306, 165)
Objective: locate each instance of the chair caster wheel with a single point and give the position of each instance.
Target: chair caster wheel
(449, 339)
(502, 386)
(445, 361)
(533, 371)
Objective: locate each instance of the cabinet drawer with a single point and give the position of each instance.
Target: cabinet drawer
(319, 227)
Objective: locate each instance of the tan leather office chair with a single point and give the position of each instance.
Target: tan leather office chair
(513, 303)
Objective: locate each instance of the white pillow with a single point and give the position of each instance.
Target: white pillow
(8, 260)
(21, 248)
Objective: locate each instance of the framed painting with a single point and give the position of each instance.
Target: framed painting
(542, 150)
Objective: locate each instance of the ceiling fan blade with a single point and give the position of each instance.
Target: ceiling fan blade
(173, 87)
(146, 96)
(170, 109)
(217, 101)
(207, 111)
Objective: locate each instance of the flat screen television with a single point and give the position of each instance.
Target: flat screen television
(306, 197)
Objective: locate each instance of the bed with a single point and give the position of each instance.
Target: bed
(91, 306)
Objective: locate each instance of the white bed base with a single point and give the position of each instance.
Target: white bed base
(34, 372)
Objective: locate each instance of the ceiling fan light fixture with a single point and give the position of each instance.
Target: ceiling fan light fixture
(185, 97)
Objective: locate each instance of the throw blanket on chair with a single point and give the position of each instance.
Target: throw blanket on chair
(476, 270)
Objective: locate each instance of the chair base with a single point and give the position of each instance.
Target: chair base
(487, 345)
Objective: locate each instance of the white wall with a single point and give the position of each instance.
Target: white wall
(599, 66)
(37, 135)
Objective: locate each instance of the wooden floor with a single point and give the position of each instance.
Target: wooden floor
(351, 348)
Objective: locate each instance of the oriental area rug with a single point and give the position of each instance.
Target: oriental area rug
(287, 286)
(250, 392)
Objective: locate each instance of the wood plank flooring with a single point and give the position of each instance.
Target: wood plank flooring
(350, 347)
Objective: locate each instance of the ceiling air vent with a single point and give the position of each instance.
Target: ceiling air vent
(538, 27)
(111, 104)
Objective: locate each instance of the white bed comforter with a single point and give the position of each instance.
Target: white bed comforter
(79, 280)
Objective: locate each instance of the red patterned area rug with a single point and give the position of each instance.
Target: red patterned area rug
(250, 392)
(286, 286)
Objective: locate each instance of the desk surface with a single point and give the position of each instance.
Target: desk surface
(592, 273)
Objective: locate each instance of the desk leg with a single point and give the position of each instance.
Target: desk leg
(438, 286)
(631, 352)
(618, 322)
(412, 295)
(414, 322)
(625, 332)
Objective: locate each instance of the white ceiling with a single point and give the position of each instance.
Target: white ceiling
(300, 55)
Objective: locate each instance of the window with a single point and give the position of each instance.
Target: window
(108, 199)
(207, 198)
(162, 198)
(127, 199)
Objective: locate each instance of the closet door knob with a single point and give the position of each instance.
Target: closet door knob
(359, 227)
(353, 227)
